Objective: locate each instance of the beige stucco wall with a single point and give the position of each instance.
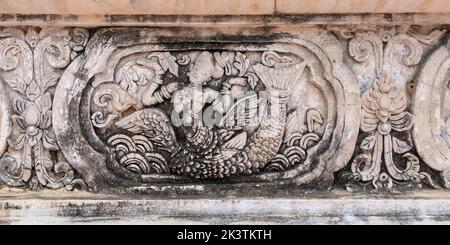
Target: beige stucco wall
(220, 7)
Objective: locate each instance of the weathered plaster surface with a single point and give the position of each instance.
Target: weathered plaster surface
(428, 207)
(219, 7)
(227, 101)
(96, 109)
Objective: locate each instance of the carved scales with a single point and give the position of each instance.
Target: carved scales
(144, 107)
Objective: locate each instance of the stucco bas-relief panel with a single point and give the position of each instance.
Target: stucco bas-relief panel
(32, 61)
(431, 106)
(359, 106)
(207, 108)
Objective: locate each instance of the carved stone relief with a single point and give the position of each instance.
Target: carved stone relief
(194, 109)
(31, 63)
(5, 125)
(430, 105)
(142, 107)
(386, 158)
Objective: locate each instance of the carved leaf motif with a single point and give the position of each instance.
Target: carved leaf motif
(32, 36)
(44, 102)
(20, 106)
(53, 176)
(413, 164)
(363, 44)
(429, 38)
(63, 167)
(167, 62)
(33, 91)
(50, 81)
(49, 141)
(127, 78)
(225, 60)
(46, 120)
(368, 143)
(241, 63)
(19, 121)
(313, 117)
(18, 85)
(400, 146)
(428, 180)
(16, 140)
(252, 79)
(410, 59)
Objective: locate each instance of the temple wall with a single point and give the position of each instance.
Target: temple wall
(225, 102)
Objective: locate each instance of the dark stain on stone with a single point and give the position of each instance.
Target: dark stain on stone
(388, 17)
(8, 205)
(81, 74)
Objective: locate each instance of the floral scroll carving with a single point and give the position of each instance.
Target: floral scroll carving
(383, 113)
(31, 64)
(387, 158)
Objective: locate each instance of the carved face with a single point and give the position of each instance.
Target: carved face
(202, 69)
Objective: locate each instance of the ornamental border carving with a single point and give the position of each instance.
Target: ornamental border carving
(357, 106)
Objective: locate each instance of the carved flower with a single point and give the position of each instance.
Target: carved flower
(384, 109)
(32, 123)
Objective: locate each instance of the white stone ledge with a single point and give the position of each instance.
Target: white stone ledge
(426, 207)
(220, 7)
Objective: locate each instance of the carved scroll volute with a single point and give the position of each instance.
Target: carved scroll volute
(430, 106)
(5, 123)
(386, 121)
(118, 102)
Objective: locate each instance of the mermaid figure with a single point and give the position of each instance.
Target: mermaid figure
(227, 150)
(192, 99)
